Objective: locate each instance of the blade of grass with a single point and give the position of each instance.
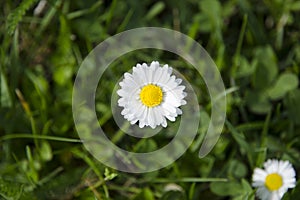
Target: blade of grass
(80, 13)
(192, 191)
(27, 110)
(49, 16)
(5, 96)
(241, 36)
(240, 139)
(185, 180)
(125, 21)
(93, 166)
(50, 176)
(17, 15)
(32, 172)
(236, 64)
(119, 135)
(38, 137)
(110, 13)
(31, 185)
(250, 126)
(157, 8)
(263, 145)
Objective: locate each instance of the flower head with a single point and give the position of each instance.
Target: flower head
(274, 180)
(150, 95)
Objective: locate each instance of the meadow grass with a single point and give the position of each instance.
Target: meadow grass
(255, 45)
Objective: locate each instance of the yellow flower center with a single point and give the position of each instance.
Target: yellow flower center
(151, 95)
(273, 181)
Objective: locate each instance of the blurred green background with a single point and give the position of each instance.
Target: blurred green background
(254, 43)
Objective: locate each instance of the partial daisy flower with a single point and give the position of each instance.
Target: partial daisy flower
(150, 95)
(274, 180)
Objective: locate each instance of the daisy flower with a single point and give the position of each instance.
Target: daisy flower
(274, 180)
(150, 95)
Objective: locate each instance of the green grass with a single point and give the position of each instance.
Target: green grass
(255, 45)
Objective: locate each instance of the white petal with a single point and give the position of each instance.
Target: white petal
(150, 118)
(145, 70)
(125, 111)
(158, 117)
(171, 84)
(137, 77)
(164, 123)
(170, 118)
(275, 196)
(171, 99)
(122, 93)
(165, 75)
(133, 121)
(141, 124)
(144, 117)
(168, 108)
(157, 75)
(178, 81)
(169, 69)
(178, 111)
(121, 102)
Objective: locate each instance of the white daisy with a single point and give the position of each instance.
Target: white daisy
(276, 178)
(150, 95)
